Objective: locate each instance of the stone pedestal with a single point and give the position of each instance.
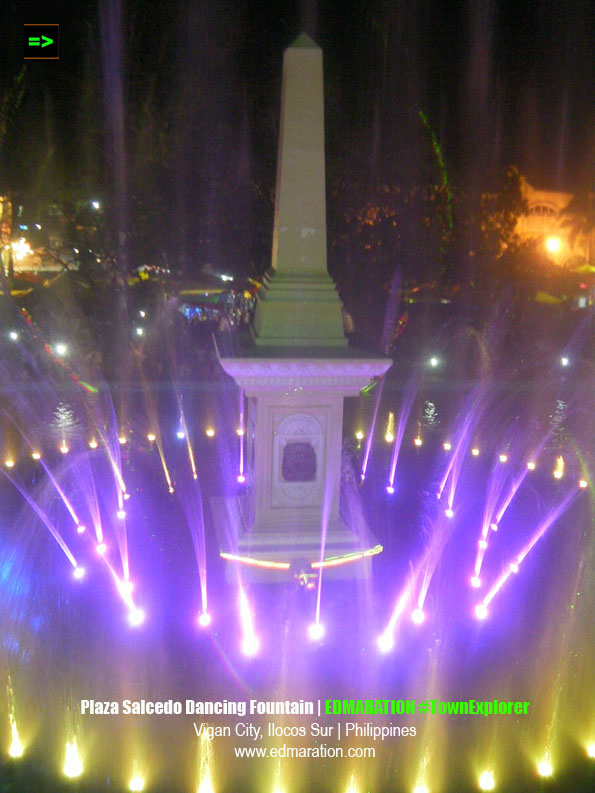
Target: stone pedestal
(293, 457)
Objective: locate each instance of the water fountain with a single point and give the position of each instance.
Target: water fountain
(463, 662)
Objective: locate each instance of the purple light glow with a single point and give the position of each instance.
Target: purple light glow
(250, 645)
(79, 572)
(481, 611)
(136, 617)
(316, 631)
(406, 405)
(390, 490)
(372, 428)
(101, 548)
(475, 582)
(204, 619)
(418, 616)
(385, 642)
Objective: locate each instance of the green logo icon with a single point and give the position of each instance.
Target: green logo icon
(35, 42)
(41, 42)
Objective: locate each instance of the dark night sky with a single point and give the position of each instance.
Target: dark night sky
(501, 81)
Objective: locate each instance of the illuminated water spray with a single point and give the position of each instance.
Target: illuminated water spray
(487, 780)
(250, 642)
(277, 784)
(406, 405)
(513, 566)
(73, 765)
(16, 748)
(166, 473)
(370, 437)
(241, 433)
(44, 518)
(386, 639)
(193, 507)
(205, 783)
(137, 780)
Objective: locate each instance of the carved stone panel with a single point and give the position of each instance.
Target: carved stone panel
(298, 459)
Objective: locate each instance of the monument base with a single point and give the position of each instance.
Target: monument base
(280, 554)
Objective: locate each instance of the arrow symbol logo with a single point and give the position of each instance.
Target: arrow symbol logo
(35, 41)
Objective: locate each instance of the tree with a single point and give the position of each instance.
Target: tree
(579, 218)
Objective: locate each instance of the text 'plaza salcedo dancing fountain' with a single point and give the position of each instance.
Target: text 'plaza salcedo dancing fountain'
(246, 584)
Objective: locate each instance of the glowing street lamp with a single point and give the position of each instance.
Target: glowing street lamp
(21, 248)
(553, 244)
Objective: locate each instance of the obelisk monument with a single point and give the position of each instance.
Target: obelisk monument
(296, 368)
(299, 305)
